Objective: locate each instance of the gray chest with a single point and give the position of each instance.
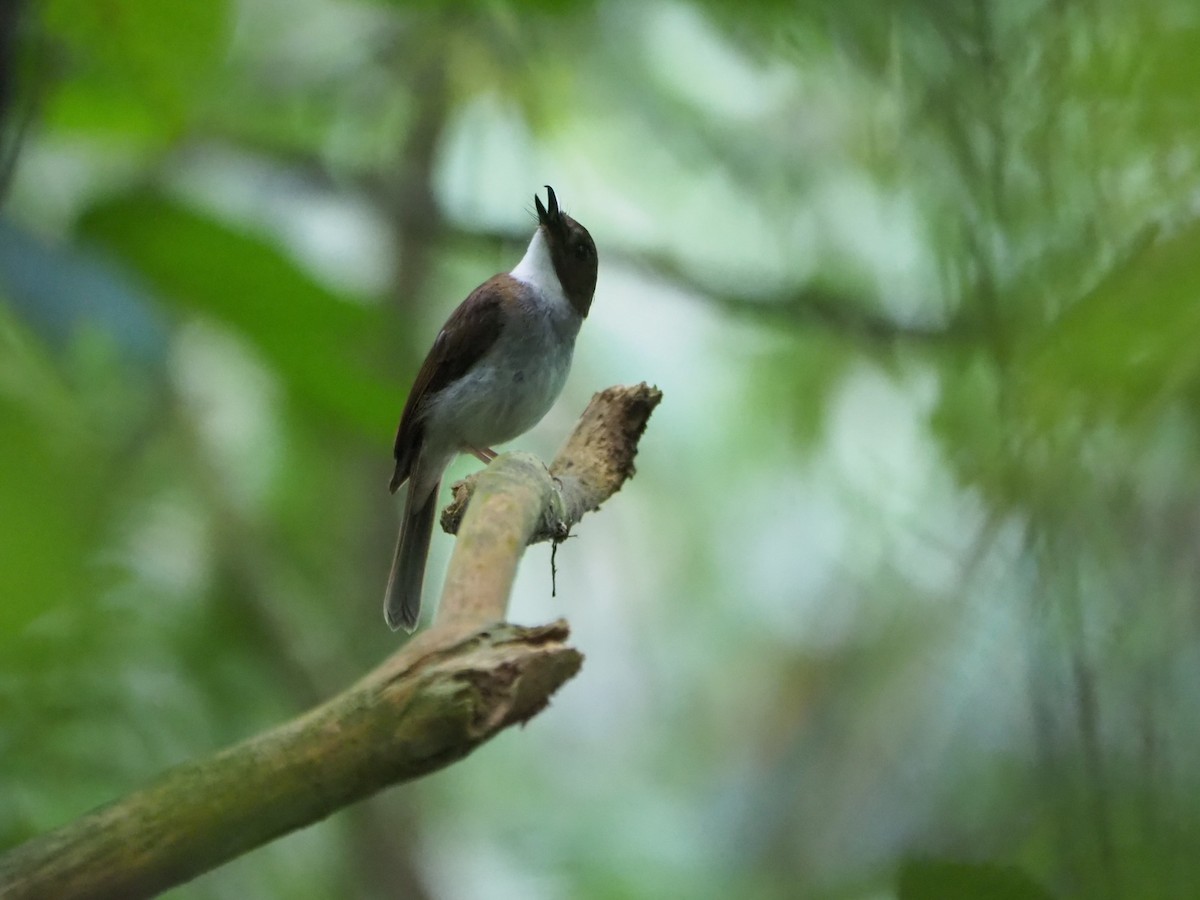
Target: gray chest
(516, 382)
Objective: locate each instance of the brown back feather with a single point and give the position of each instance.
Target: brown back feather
(467, 335)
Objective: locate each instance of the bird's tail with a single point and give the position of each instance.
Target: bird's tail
(402, 603)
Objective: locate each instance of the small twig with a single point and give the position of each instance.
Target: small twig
(554, 568)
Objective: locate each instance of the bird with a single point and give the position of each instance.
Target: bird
(494, 370)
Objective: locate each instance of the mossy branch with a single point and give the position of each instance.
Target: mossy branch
(431, 703)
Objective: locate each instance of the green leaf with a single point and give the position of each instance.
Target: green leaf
(133, 65)
(1127, 348)
(316, 340)
(49, 512)
(929, 879)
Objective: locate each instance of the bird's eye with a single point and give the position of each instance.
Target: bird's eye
(581, 251)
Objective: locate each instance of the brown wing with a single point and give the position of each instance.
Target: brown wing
(467, 335)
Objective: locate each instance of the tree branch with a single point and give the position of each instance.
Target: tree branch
(434, 701)
(591, 466)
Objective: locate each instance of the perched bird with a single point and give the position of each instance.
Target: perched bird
(495, 369)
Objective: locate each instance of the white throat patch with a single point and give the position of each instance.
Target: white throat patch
(536, 269)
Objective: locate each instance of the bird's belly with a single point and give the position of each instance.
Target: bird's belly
(500, 398)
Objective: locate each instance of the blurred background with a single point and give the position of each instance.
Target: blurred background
(903, 601)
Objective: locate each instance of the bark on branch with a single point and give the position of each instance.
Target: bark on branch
(431, 703)
(517, 501)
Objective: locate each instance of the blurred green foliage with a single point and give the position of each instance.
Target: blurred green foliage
(309, 335)
(133, 69)
(903, 599)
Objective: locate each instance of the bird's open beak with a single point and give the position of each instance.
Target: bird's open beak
(551, 218)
